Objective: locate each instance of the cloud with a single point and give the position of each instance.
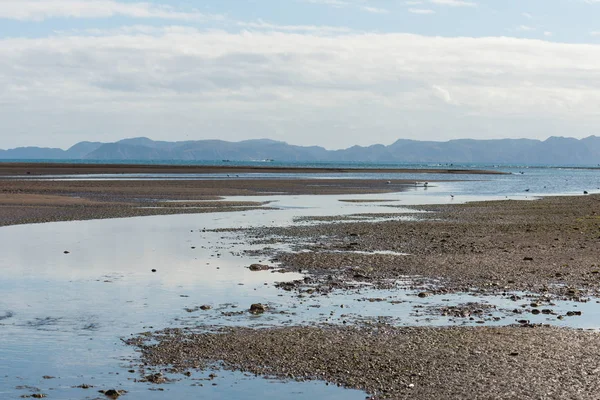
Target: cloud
(375, 10)
(262, 25)
(525, 28)
(443, 94)
(38, 10)
(303, 86)
(422, 11)
(454, 3)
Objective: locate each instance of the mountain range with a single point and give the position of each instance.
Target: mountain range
(554, 150)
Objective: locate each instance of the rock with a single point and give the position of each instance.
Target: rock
(66, 252)
(527, 258)
(535, 311)
(424, 294)
(157, 378)
(112, 393)
(153, 270)
(85, 386)
(257, 308)
(259, 267)
(205, 307)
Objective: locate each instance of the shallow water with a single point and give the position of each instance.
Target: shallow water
(64, 314)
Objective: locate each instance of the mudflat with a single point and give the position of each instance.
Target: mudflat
(547, 248)
(19, 169)
(27, 195)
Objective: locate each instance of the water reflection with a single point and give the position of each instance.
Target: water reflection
(71, 290)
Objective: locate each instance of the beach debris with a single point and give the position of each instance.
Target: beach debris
(258, 308)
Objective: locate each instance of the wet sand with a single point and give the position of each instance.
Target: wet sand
(25, 169)
(398, 363)
(26, 200)
(548, 246)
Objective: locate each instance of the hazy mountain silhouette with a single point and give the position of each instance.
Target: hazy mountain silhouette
(554, 150)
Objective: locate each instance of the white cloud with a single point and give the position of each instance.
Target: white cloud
(262, 25)
(525, 28)
(329, 89)
(375, 10)
(334, 3)
(422, 11)
(454, 3)
(38, 10)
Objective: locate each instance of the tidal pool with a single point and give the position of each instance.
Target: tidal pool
(72, 290)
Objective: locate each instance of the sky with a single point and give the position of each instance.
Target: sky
(333, 73)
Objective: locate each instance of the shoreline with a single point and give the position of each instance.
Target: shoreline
(36, 169)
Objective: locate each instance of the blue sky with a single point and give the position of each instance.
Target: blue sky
(328, 72)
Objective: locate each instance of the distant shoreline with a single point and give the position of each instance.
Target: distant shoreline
(39, 169)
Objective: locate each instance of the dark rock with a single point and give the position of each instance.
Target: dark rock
(259, 267)
(66, 252)
(424, 294)
(527, 258)
(205, 307)
(85, 386)
(258, 308)
(112, 393)
(153, 270)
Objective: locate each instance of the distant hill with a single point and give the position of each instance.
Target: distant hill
(554, 150)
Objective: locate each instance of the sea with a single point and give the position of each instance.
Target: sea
(64, 316)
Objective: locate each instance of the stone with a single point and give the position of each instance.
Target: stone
(257, 308)
(259, 267)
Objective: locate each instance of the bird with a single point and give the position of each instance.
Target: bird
(452, 196)
(527, 190)
(388, 182)
(585, 192)
(425, 184)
